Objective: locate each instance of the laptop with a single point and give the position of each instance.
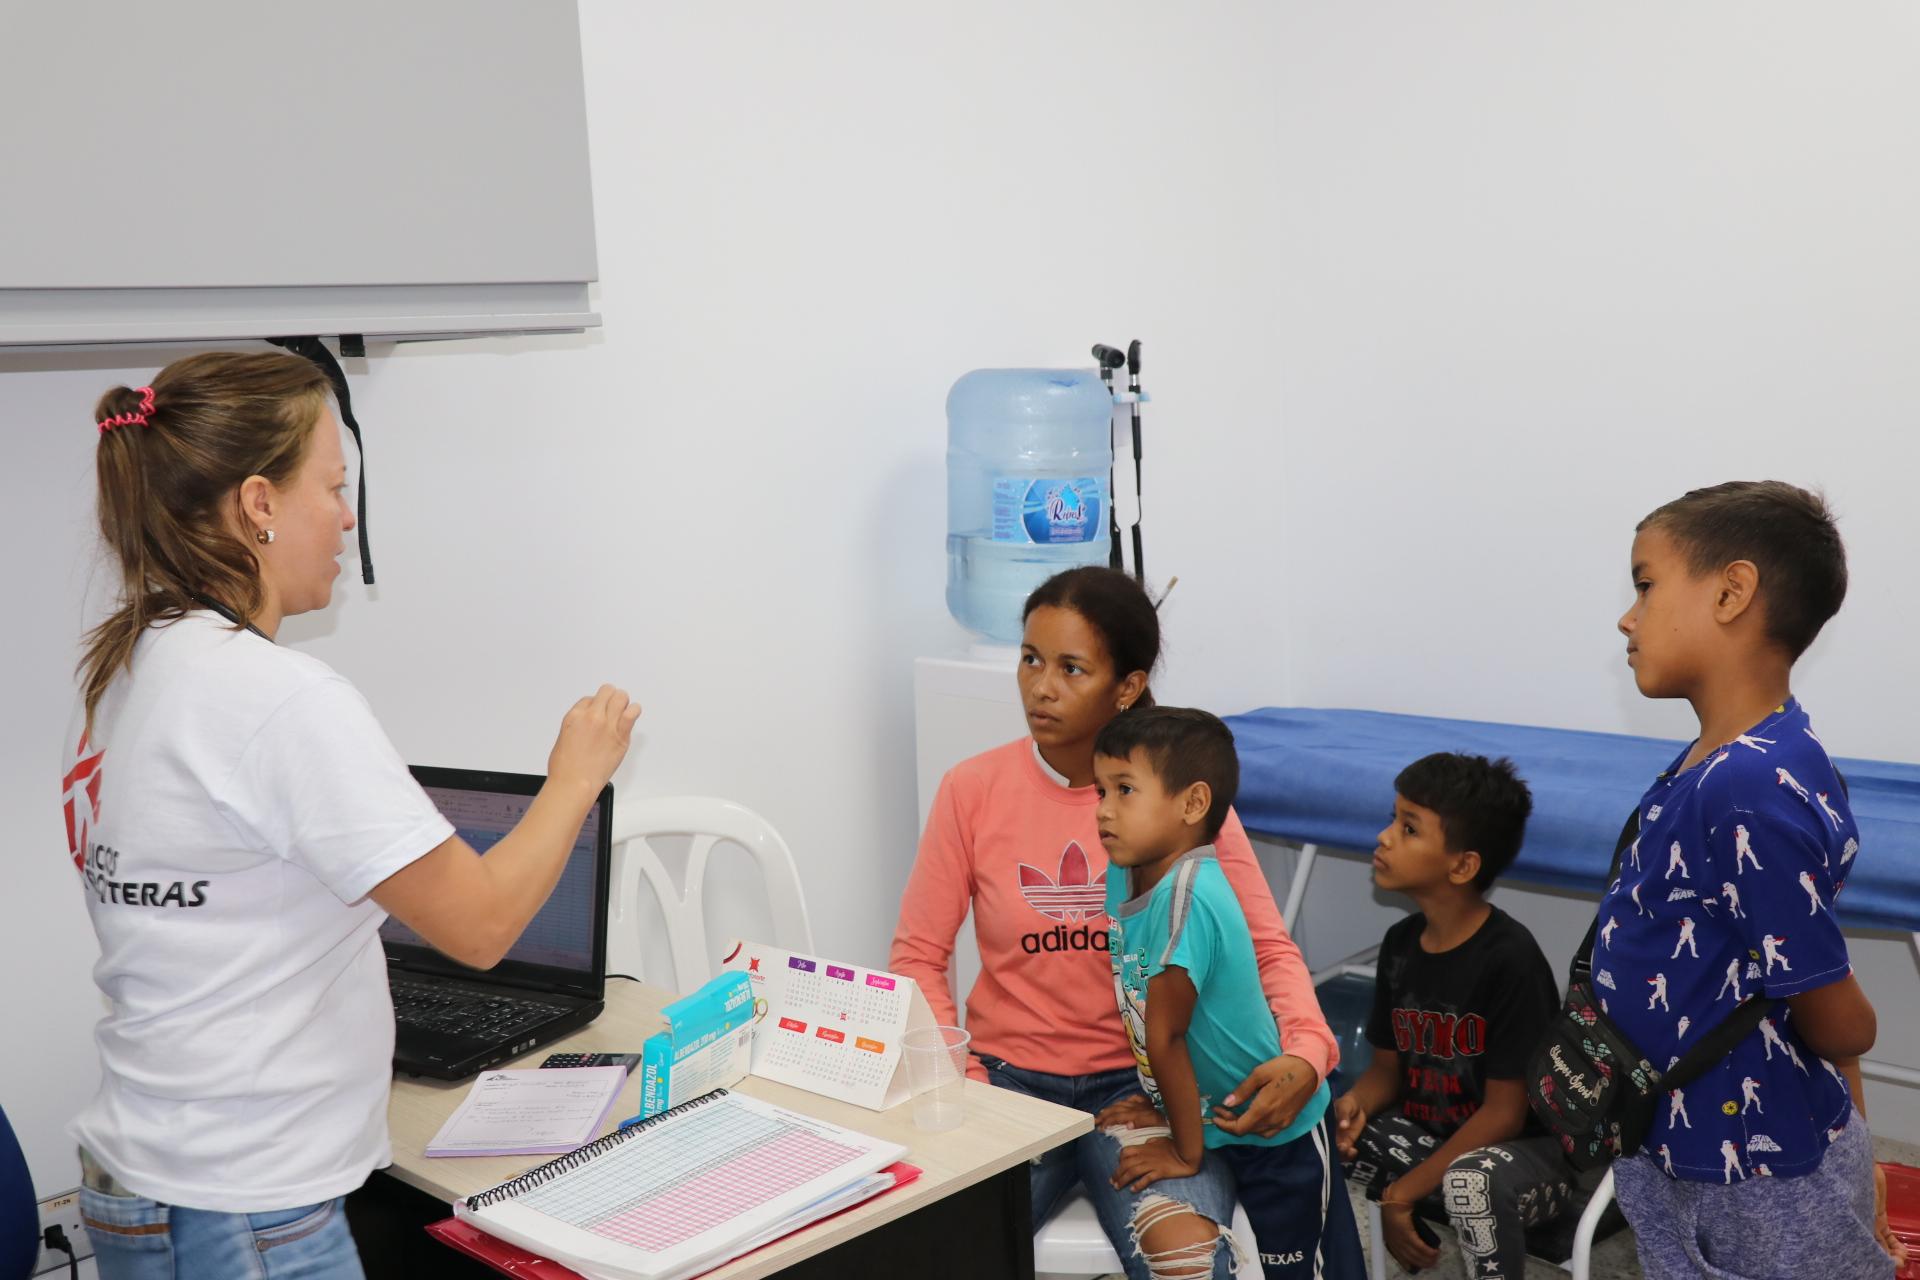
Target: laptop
(453, 1021)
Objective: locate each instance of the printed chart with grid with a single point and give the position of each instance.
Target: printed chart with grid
(832, 1028)
(697, 1172)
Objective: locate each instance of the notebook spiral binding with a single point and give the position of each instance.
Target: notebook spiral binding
(542, 1174)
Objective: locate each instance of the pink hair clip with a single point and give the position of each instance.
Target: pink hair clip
(138, 419)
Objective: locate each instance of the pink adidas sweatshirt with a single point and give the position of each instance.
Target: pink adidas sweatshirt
(1007, 838)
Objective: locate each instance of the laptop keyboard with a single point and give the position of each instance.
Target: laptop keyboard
(476, 1015)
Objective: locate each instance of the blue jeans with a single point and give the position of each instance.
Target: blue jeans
(139, 1239)
(1089, 1162)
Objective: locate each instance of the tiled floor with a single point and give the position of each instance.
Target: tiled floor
(1613, 1258)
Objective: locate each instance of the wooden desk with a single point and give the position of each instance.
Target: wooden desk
(969, 1174)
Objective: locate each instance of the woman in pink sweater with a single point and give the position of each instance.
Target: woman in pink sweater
(1012, 836)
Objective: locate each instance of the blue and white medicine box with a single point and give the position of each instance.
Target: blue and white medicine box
(705, 1043)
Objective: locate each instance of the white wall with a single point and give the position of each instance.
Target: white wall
(1437, 302)
(1543, 267)
(1568, 263)
(811, 221)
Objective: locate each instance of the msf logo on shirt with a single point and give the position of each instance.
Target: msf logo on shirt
(1075, 895)
(99, 864)
(81, 803)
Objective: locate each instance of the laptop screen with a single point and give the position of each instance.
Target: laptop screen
(565, 944)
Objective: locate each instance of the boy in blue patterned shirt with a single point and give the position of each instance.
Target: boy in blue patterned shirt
(1763, 1167)
(1189, 992)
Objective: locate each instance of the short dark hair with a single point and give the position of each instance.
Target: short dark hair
(1787, 532)
(1483, 806)
(1115, 606)
(1184, 746)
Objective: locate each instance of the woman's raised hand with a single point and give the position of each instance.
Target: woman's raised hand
(593, 739)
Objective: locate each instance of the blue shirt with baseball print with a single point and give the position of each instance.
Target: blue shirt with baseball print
(1728, 893)
(1191, 920)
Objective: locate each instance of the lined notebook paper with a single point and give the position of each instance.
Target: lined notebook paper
(685, 1190)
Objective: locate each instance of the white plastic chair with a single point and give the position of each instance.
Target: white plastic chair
(708, 821)
(1579, 1263)
(1072, 1243)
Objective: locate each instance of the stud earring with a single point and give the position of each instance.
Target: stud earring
(263, 537)
(1123, 706)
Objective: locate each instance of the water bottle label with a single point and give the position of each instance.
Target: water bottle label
(1050, 511)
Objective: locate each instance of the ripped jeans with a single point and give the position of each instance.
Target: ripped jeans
(1296, 1205)
(1089, 1162)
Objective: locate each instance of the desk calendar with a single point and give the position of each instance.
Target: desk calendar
(831, 1028)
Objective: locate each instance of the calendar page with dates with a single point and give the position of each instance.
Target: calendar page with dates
(831, 1028)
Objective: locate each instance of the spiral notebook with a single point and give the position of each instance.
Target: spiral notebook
(684, 1191)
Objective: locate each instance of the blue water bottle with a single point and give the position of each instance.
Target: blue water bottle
(1029, 453)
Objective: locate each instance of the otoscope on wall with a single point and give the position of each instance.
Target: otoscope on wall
(1110, 360)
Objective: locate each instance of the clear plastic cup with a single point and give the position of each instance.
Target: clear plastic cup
(937, 1073)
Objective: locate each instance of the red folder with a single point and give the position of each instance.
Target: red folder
(511, 1260)
(507, 1259)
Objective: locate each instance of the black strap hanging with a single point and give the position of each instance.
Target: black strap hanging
(313, 349)
(1582, 969)
(231, 616)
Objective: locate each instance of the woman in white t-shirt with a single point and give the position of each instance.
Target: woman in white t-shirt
(241, 826)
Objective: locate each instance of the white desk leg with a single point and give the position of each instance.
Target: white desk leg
(1297, 890)
(1376, 1243)
(1581, 1262)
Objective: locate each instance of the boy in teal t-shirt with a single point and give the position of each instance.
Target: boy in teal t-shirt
(1189, 991)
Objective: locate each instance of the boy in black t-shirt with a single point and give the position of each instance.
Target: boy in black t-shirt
(1462, 998)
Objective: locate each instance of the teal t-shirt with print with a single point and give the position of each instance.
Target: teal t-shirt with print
(1191, 920)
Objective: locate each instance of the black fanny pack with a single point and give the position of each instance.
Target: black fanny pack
(1591, 1088)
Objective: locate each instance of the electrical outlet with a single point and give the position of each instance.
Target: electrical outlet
(62, 1211)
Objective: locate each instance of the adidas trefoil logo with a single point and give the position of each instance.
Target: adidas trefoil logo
(1074, 895)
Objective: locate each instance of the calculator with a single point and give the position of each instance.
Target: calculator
(627, 1060)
